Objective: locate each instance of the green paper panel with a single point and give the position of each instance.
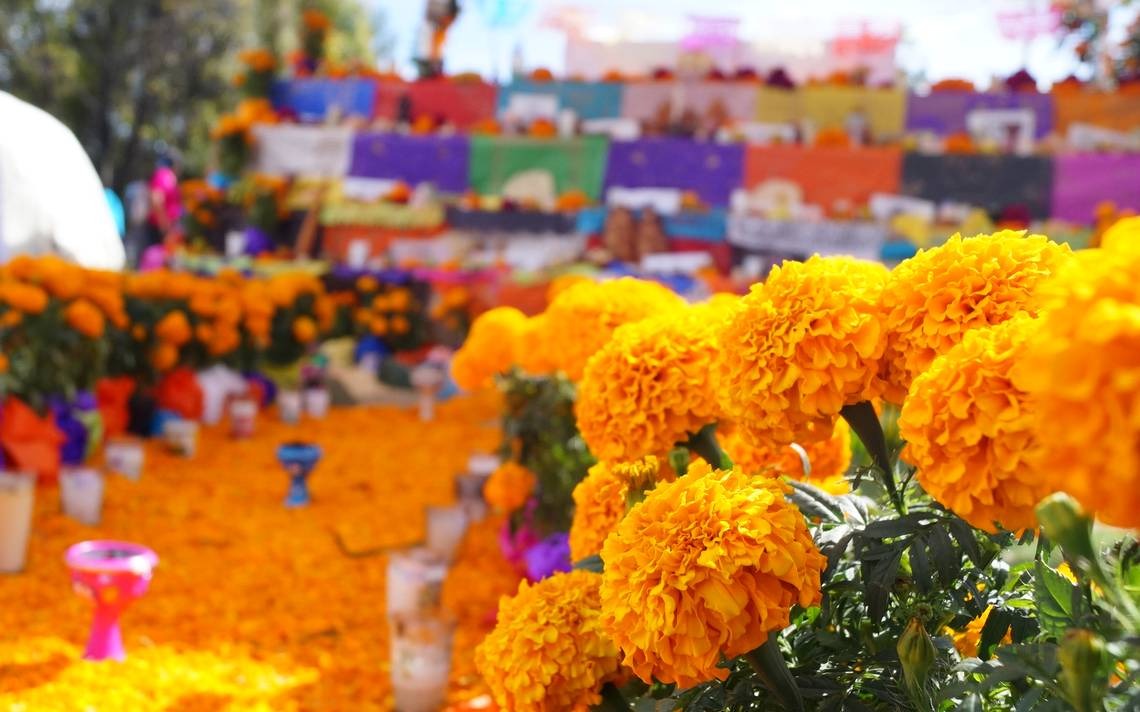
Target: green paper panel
(575, 163)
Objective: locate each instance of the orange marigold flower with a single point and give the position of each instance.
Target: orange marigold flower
(399, 300)
(138, 332)
(548, 652)
(799, 347)
(28, 298)
(509, 486)
(400, 324)
(85, 317)
(304, 329)
(315, 20)
(935, 297)
(827, 459)
(602, 498)
(532, 351)
(378, 325)
(367, 284)
(969, 429)
(1123, 235)
(174, 328)
(1081, 368)
(705, 567)
(224, 340)
(648, 389)
(581, 319)
(966, 641)
(164, 357)
(490, 347)
(11, 319)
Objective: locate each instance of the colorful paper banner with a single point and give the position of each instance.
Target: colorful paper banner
(1119, 111)
(575, 164)
(945, 113)
(801, 239)
(830, 107)
(298, 150)
(991, 182)
(442, 160)
(711, 170)
(589, 100)
(1083, 180)
(827, 175)
(644, 100)
(316, 99)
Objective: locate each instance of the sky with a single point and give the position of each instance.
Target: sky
(941, 38)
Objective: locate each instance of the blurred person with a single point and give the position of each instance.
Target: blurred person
(51, 198)
(165, 202)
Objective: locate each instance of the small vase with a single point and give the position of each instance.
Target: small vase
(181, 437)
(420, 661)
(112, 574)
(81, 494)
(125, 456)
(17, 497)
(469, 493)
(445, 529)
(289, 406)
(427, 381)
(298, 459)
(414, 581)
(243, 418)
(317, 402)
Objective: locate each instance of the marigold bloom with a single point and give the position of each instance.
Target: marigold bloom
(705, 566)
(648, 388)
(532, 352)
(966, 640)
(969, 430)
(1082, 367)
(85, 317)
(509, 486)
(935, 297)
(800, 346)
(164, 357)
(489, 348)
(828, 459)
(304, 329)
(548, 652)
(174, 328)
(581, 318)
(27, 298)
(1123, 235)
(601, 500)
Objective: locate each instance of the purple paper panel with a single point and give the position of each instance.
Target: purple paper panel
(643, 100)
(945, 113)
(1081, 180)
(441, 160)
(711, 170)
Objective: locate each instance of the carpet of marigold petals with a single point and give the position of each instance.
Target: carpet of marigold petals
(254, 606)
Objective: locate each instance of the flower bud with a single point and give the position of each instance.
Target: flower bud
(1065, 523)
(1084, 669)
(916, 653)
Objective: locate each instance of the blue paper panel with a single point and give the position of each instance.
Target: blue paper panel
(711, 170)
(590, 100)
(441, 160)
(945, 113)
(313, 99)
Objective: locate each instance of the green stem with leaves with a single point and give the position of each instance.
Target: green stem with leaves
(865, 422)
(769, 664)
(612, 700)
(704, 443)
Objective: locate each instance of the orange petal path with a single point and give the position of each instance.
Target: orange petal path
(255, 607)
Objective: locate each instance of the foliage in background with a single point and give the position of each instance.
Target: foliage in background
(540, 432)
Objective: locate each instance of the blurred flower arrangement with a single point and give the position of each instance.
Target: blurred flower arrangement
(390, 313)
(452, 312)
(234, 133)
(203, 203)
(259, 68)
(262, 198)
(824, 566)
(315, 26)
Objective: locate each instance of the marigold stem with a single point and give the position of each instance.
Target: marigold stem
(769, 664)
(703, 442)
(865, 422)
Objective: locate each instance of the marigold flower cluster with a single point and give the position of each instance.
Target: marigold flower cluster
(969, 430)
(548, 652)
(704, 567)
(647, 389)
(1081, 367)
(827, 460)
(509, 487)
(602, 498)
(490, 348)
(931, 300)
(800, 346)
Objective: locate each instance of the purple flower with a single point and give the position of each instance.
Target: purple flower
(74, 448)
(548, 557)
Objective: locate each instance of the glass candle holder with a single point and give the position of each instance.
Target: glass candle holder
(125, 456)
(445, 529)
(289, 406)
(317, 401)
(469, 493)
(414, 581)
(17, 500)
(483, 464)
(243, 418)
(112, 574)
(427, 381)
(298, 459)
(181, 437)
(420, 661)
(81, 494)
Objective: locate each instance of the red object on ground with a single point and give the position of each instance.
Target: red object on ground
(113, 396)
(180, 393)
(32, 443)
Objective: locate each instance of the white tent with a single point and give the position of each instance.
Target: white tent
(51, 198)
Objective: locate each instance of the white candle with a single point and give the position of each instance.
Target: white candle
(125, 456)
(243, 417)
(317, 402)
(289, 406)
(17, 495)
(81, 493)
(181, 436)
(445, 529)
(414, 581)
(420, 662)
(483, 464)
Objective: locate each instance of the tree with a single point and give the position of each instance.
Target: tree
(128, 77)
